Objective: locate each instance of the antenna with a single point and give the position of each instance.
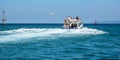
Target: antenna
(3, 17)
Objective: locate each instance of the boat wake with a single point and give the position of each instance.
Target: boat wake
(43, 33)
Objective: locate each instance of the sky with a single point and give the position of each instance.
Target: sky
(55, 11)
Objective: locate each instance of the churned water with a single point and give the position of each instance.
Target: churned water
(51, 42)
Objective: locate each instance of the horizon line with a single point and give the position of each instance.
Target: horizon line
(58, 23)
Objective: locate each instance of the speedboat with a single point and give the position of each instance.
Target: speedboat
(73, 24)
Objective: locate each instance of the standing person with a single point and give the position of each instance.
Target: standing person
(69, 17)
(79, 22)
(77, 18)
(65, 22)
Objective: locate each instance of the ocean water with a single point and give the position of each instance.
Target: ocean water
(51, 42)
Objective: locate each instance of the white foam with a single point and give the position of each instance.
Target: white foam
(23, 33)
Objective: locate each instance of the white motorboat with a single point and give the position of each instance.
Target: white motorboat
(73, 24)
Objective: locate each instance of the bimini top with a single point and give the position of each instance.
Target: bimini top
(72, 23)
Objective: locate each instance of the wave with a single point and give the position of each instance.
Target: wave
(23, 33)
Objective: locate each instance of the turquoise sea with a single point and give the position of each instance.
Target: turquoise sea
(52, 42)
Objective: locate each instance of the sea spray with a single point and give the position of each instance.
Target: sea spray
(25, 33)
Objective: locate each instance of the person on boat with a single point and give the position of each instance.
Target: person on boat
(77, 18)
(69, 18)
(76, 24)
(76, 21)
(65, 23)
